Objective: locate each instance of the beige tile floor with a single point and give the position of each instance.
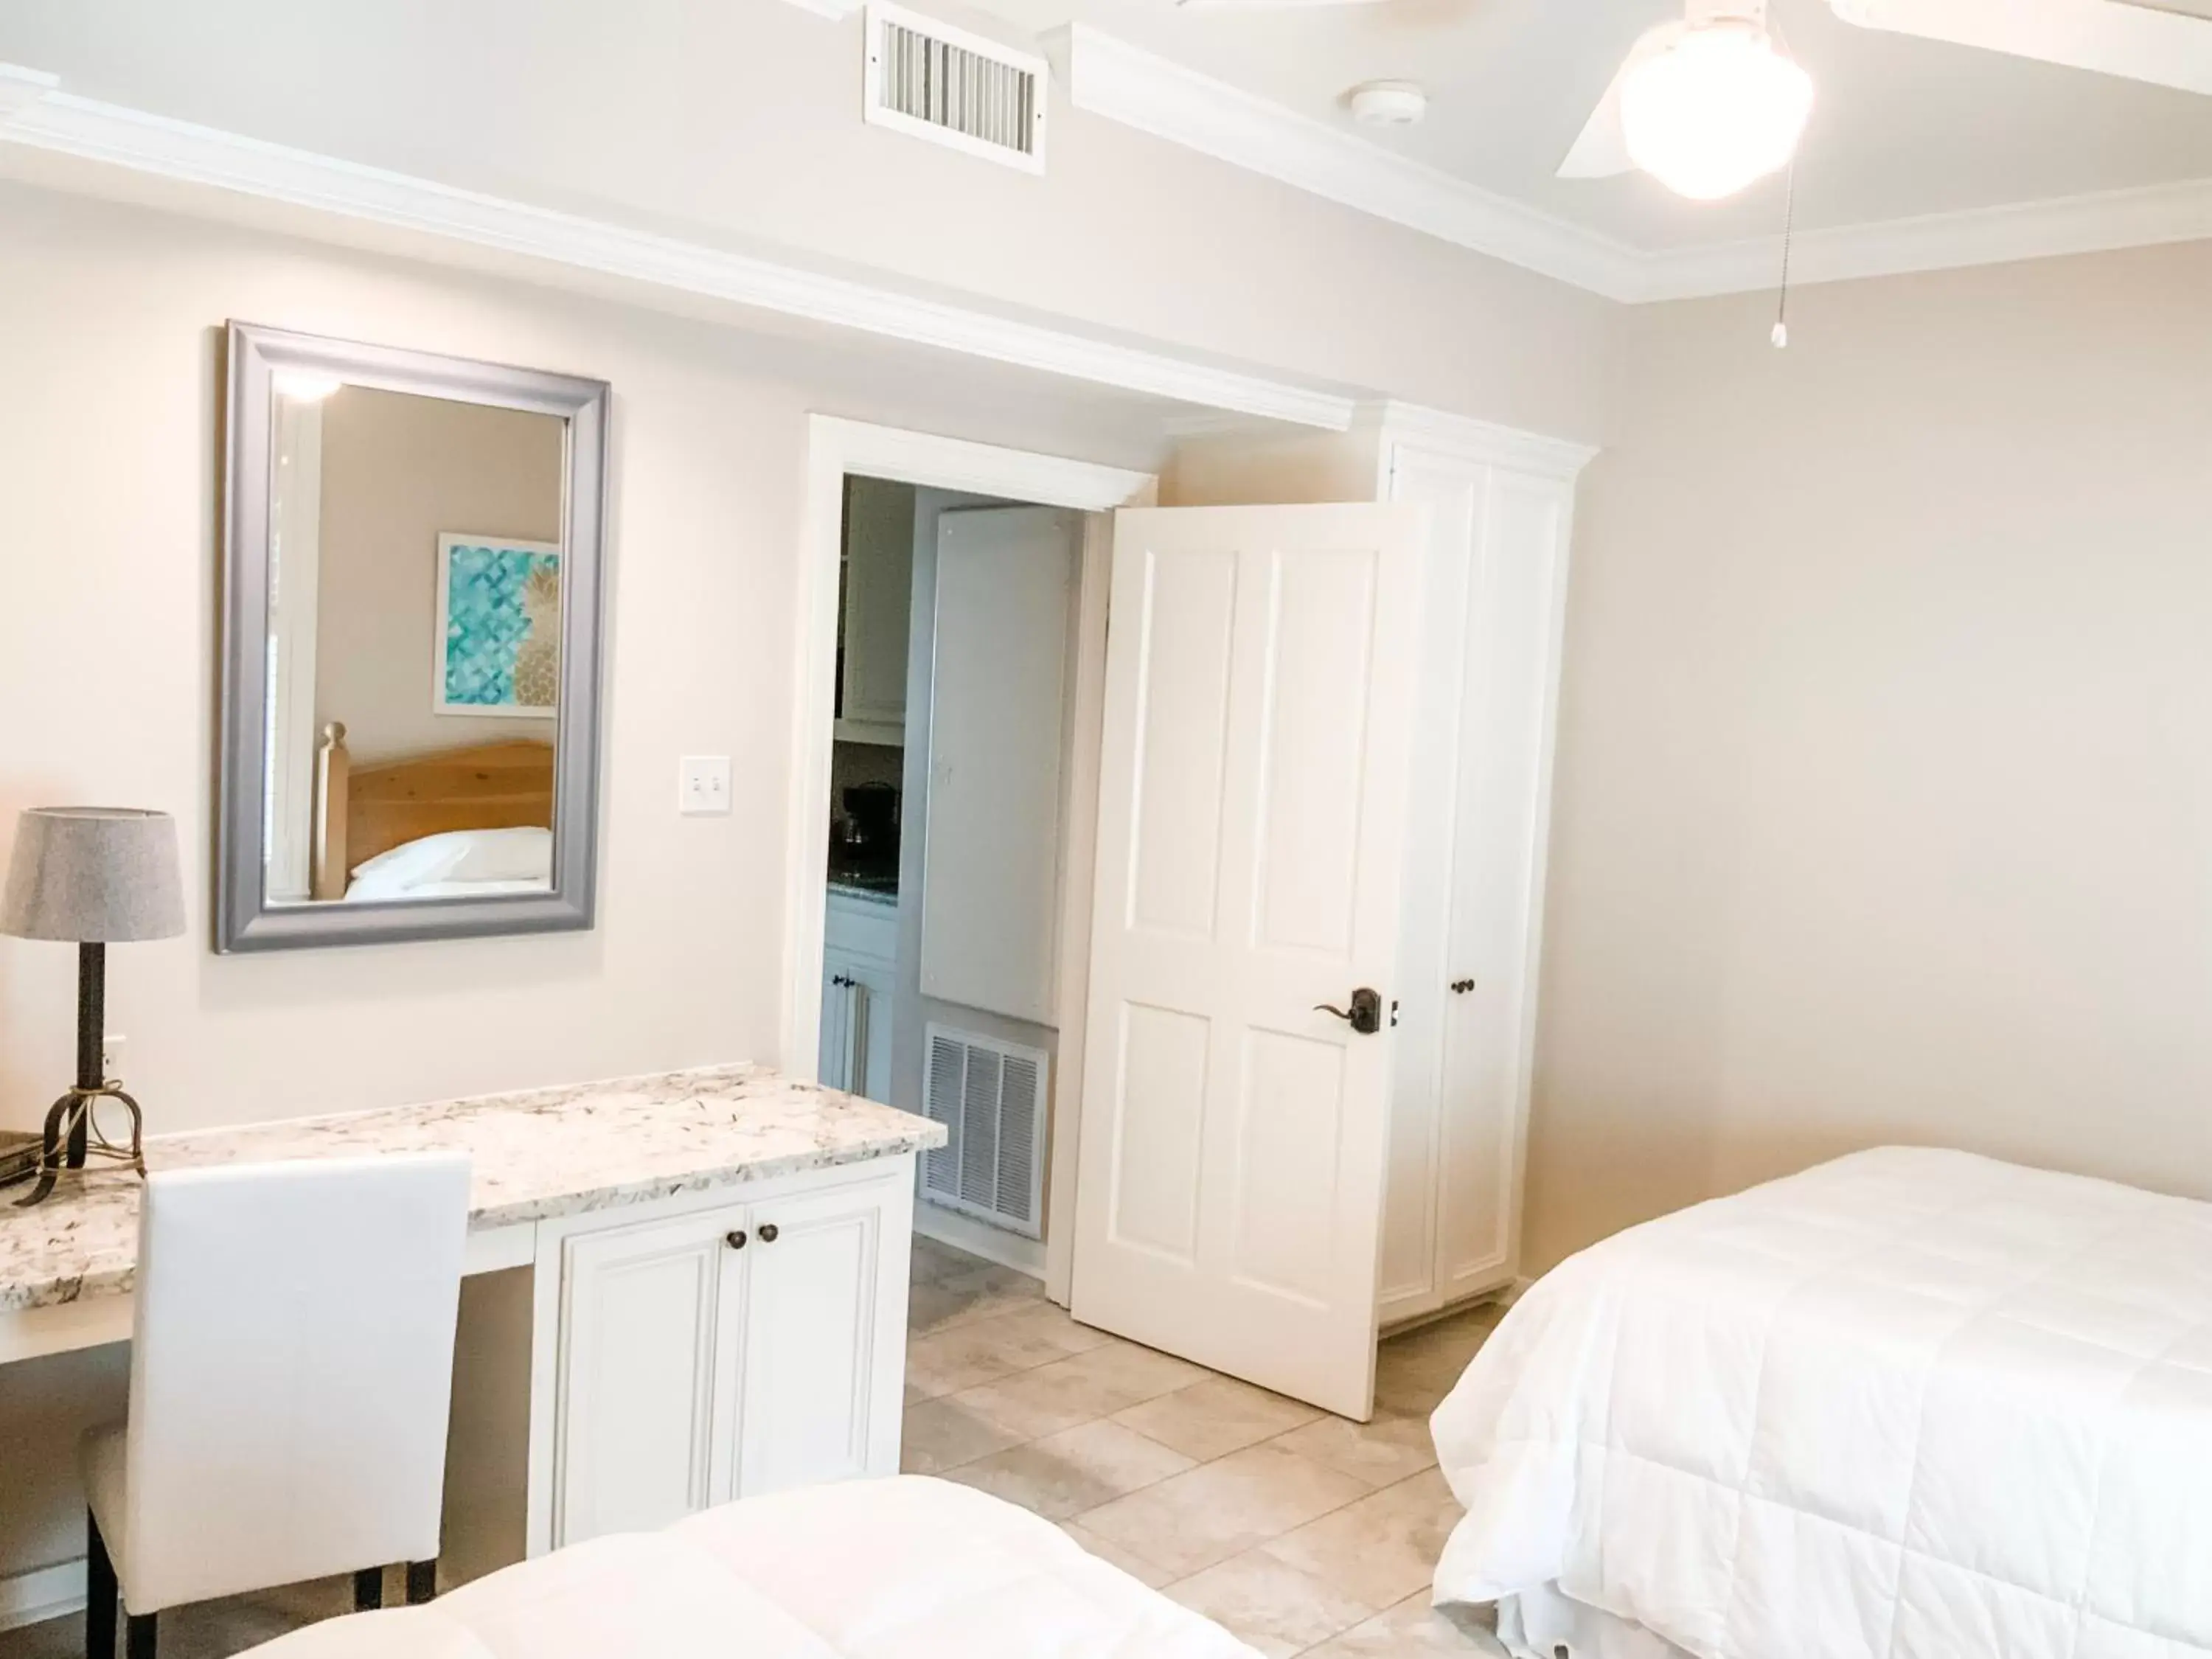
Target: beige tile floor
(1302, 1533)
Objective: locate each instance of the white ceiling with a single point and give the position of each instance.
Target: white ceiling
(1902, 128)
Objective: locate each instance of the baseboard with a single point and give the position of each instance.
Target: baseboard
(1502, 1296)
(43, 1593)
(962, 1232)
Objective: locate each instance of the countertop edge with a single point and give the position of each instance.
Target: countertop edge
(703, 1180)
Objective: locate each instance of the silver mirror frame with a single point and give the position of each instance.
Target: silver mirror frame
(245, 920)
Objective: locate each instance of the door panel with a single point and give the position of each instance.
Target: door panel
(1288, 1165)
(1157, 1113)
(1503, 787)
(645, 1367)
(1182, 612)
(1252, 819)
(1313, 742)
(811, 1323)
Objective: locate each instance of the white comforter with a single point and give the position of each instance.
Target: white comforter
(1910, 1405)
(899, 1569)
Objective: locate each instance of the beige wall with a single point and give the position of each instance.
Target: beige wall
(737, 124)
(398, 472)
(109, 350)
(1884, 806)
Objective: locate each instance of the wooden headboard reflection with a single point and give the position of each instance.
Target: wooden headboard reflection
(359, 814)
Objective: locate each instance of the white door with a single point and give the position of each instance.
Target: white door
(821, 1387)
(1260, 682)
(647, 1375)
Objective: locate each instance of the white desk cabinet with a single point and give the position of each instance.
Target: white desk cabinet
(722, 1345)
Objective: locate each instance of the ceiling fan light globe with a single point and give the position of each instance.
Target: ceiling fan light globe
(1716, 111)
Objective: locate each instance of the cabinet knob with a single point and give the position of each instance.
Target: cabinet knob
(768, 1232)
(736, 1240)
(1461, 987)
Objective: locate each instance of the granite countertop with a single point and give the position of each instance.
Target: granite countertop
(539, 1153)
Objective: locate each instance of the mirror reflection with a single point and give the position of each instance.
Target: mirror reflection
(413, 647)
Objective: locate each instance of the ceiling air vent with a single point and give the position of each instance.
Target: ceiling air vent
(939, 82)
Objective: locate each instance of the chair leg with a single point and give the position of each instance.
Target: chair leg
(368, 1589)
(138, 1635)
(99, 1594)
(421, 1582)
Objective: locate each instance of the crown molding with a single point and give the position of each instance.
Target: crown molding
(2102, 223)
(1125, 83)
(19, 88)
(835, 10)
(64, 124)
(1462, 437)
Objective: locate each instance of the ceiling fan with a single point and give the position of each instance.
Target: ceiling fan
(1713, 102)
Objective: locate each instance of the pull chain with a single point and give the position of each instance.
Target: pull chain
(1780, 336)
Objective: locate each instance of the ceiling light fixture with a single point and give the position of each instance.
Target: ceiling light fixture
(1721, 107)
(1388, 103)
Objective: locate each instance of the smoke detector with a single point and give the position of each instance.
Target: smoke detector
(1388, 103)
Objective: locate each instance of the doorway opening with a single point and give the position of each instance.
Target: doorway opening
(941, 879)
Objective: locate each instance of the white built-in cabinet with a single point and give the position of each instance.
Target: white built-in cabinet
(859, 969)
(1502, 508)
(723, 1344)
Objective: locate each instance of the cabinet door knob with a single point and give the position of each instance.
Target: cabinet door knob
(768, 1232)
(736, 1240)
(1461, 987)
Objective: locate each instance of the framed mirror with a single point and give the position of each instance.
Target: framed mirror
(411, 599)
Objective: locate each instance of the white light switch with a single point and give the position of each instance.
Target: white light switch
(702, 785)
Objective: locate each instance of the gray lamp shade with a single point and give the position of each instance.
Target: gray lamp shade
(93, 874)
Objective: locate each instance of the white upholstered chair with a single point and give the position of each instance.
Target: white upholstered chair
(291, 1369)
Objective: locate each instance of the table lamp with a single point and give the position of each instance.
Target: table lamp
(93, 876)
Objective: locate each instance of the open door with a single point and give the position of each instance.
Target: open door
(1260, 682)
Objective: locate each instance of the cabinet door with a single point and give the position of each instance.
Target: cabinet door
(647, 1374)
(870, 1055)
(877, 604)
(836, 1060)
(824, 1327)
(1459, 1096)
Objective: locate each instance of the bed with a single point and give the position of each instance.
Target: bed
(460, 822)
(1910, 1405)
(907, 1568)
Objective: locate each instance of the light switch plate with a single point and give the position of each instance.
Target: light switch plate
(702, 785)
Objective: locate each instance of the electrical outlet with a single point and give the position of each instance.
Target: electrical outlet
(111, 1055)
(702, 785)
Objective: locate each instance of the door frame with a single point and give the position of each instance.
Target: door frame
(835, 447)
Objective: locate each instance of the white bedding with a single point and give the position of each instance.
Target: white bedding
(457, 864)
(1910, 1405)
(907, 1568)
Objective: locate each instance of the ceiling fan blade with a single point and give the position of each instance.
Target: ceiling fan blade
(2162, 45)
(1601, 151)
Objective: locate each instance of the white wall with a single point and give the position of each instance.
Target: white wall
(110, 351)
(737, 123)
(1884, 805)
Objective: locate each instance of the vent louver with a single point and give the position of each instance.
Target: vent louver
(931, 81)
(990, 1096)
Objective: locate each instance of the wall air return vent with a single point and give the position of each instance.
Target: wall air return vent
(990, 1096)
(939, 82)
